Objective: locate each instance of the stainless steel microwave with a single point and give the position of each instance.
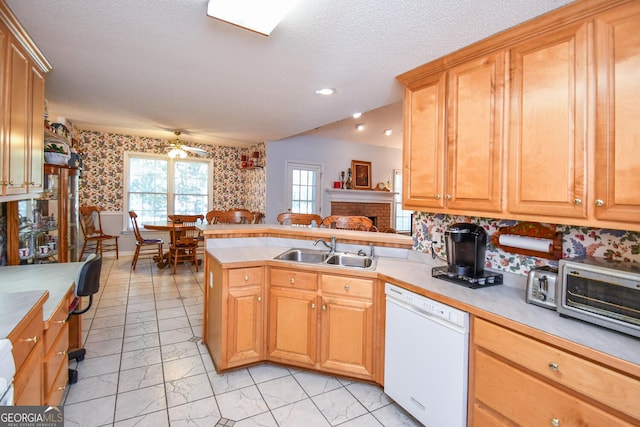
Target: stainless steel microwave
(601, 291)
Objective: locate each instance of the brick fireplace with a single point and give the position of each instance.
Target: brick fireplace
(376, 205)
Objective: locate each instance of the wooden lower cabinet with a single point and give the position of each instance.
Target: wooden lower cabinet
(26, 339)
(56, 358)
(346, 326)
(234, 315)
(518, 380)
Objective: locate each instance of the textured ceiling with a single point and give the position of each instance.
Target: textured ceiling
(147, 67)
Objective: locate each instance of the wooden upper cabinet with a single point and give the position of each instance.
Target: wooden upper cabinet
(475, 135)
(424, 144)
(548, 128)
(36, 130)
(617, 147)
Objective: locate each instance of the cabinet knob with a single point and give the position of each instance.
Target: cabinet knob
(62, 322)
(33, 340)
(577, 201)
(11, 182)
(259, 299)
(553, 366)
(346, 288)
(599, 203)
(32, 183)
(555, 422)
(292, 280)
(313, 305)
(448, 196)
(246, 277)
(324, 307)
(62, 353)
(437, 197)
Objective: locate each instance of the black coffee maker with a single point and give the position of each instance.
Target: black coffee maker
(466, 246)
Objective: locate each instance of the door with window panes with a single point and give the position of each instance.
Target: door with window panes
(303, 182)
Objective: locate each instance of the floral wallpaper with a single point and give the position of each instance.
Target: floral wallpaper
(103, 174)
(577, 241)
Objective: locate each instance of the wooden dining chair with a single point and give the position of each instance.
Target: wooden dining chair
(94, 236)
(147, 246)
(290, 218)
(230, 217)
(185, 240)
(349, 222)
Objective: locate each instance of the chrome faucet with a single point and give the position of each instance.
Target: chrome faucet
(332, 246)
(372, 248)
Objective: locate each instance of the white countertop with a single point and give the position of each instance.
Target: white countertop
(507, 300)
(22, 285)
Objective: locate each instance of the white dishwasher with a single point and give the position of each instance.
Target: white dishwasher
(426, 358)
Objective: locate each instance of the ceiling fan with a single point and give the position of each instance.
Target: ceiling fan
(180, 150)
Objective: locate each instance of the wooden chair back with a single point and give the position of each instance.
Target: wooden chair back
(230, 217)
(188, 233)
(289, 218)
(134, 223)
(90, 221)
(348, 222)
(257, 216)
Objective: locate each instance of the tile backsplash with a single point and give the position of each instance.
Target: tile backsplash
(576, 241)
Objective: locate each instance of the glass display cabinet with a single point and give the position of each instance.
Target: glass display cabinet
(48, 225)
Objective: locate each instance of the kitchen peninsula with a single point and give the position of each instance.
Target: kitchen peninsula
(599, 375)
(34, 304)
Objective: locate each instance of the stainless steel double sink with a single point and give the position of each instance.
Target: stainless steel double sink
(342, 259)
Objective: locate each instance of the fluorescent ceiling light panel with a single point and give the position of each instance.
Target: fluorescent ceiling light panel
(260, 16)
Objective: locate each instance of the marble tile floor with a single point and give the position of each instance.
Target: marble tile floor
(146, 366)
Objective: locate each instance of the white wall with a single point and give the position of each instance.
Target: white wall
(333, 155)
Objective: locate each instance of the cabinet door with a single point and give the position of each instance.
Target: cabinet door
(617, 154)
(292, 326)
(4, 40)
(423, 147)
(475, 135)
(548, 125)
(35, 149)
(17, 120)
(346, 337)
(245, 325)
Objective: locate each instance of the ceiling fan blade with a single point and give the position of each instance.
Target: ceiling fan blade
(195, 150)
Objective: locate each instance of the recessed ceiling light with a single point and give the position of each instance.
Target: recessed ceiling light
(326, 91)
(360, 126)
(260, 16)
(357, 115)
(388, 132)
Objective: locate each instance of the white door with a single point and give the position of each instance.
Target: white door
(303, 188)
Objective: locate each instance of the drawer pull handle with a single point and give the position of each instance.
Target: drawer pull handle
(62, 387)
(62, 353)
(33, 340)
(246, 277)
(313, 305)
(553, 366)
(555, 422)
(346, 288)
(292, 280)
(62, 322)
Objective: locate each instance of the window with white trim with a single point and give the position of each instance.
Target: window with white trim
(403, 217)
(157, 186)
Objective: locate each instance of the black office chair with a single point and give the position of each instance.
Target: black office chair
(87, 284)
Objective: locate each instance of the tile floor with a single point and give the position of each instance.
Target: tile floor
(146, 366)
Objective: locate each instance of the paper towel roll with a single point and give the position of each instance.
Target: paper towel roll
(523, 242)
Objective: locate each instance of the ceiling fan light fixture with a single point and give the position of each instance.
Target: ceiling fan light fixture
(177, 153)
(261, 16)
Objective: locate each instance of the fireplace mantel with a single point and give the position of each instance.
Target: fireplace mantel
(359, 196)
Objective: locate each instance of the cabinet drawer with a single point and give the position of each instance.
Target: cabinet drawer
(246, 276)
(347, 286)
(529, 401)
(294, 279)
(598, 382)
(56, 391)
(26, 335)
(55, 358)
(56, 322)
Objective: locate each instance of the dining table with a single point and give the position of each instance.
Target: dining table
(173, 228)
